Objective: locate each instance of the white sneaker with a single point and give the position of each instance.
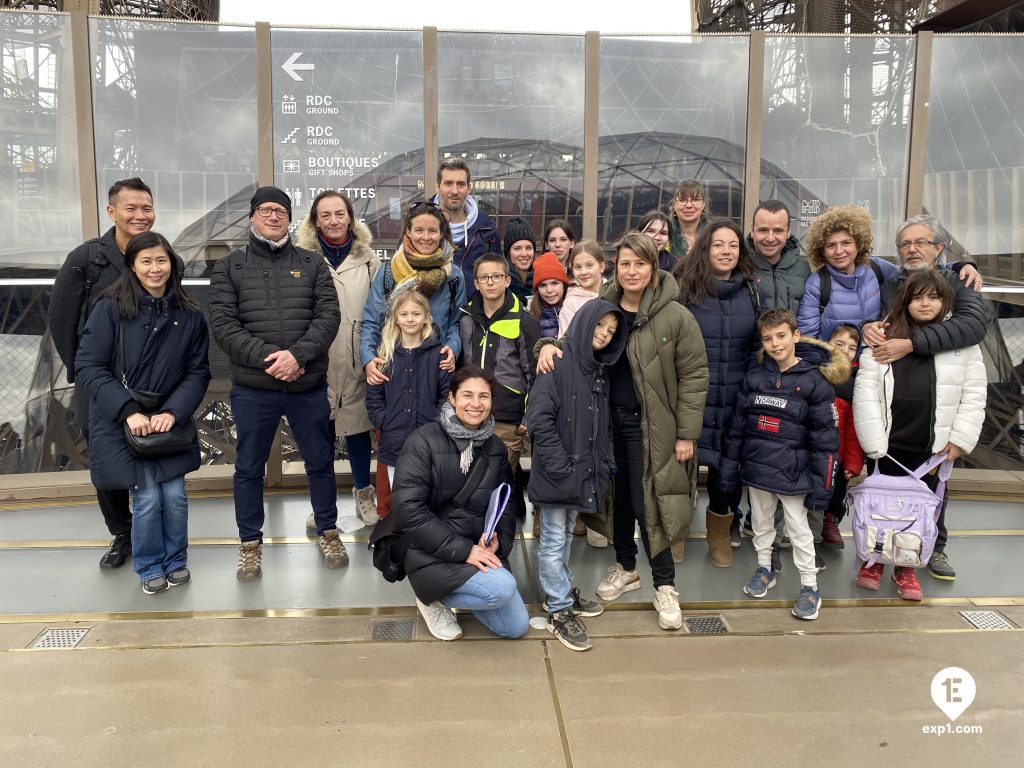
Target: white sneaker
(366, 505)
(440, 621)
(666, 603)
(616, 582)
(596, 540)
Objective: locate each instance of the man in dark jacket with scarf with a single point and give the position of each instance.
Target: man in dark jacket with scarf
(474, 233)
(274, 312)
(88, 270)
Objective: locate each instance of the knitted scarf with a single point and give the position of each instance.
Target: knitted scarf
(432, 270)
(465, 438)
(335, 253)
(275, 245)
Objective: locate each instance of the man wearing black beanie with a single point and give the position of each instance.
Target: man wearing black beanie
(274, 311)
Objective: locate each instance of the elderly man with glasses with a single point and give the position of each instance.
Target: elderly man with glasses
(274, 311)
(921, 243)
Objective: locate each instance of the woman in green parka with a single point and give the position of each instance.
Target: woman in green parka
(656, 395)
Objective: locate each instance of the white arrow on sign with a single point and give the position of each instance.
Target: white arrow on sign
(292, 66)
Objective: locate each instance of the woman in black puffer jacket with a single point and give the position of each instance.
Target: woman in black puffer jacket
(448, 562)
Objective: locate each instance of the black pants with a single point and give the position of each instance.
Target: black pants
(912, 460)
(722, 502)
(627, 443)
(837, 504)
(117, 512)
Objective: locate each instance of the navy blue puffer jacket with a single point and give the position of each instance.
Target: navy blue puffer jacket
(728, 323)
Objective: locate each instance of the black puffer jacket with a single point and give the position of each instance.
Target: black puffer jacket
(965, 328)
(568, 417)
(287, 301)
(440, 537)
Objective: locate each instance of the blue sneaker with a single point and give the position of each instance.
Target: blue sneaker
(760, 583)
(807, 606)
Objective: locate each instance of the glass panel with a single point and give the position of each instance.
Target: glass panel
(671, 109)
(39, 194)
(176, 105)
(974, 177)
(512, 106)
(836, 127)
(348, 115)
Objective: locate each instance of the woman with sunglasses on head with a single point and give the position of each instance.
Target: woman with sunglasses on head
(424, 257)
(688, 215)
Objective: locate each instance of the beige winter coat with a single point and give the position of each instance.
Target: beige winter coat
(346, 380)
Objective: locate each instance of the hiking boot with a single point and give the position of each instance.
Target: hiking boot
(250, 561)
(179, 577)
(679, 551)
(119, 552)
(940, 568)
(734, 532)
(907, 585)
(830, 535)
(570, 631)
(154, 585)
(776, 560)
(366, 505)
(666, 603)
(760, 582)
(439, 620)
(334, 551)
(596, 540)
(616, 582)
(808, 603)
(580, 605)
(870, 576)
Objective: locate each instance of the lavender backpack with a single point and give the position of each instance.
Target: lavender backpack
(894, 516)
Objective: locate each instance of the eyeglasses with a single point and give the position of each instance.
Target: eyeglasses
(919, 243)
(266, 211)
(693, 199)
(491, 279)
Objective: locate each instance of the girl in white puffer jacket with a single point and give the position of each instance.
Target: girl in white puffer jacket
(919, 405)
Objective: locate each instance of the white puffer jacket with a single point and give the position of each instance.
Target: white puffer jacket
(960, 392)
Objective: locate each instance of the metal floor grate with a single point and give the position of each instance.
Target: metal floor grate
(987, 620)
(392, 629)
(706, 625)
(60, 638)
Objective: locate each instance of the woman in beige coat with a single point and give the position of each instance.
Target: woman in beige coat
(332, 231)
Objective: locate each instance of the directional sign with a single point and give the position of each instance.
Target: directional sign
(292, 67)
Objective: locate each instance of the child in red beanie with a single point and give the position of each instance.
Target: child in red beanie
(550, 283)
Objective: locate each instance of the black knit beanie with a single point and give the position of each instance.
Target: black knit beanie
(515, 230)
(270, 195)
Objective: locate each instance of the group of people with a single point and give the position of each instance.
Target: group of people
(696, 344)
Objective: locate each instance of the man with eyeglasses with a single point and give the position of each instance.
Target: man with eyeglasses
(274, 311)
(88, 270)
(474, 233)
(921, 242)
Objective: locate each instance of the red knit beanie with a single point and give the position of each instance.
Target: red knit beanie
(548, 267)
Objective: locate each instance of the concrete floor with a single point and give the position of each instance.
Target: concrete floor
(285, 673)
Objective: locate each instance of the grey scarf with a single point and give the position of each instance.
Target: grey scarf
(274, 246)
(465, 438)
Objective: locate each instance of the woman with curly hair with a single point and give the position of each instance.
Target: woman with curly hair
(845, 286)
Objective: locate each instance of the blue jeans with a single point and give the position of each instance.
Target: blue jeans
(494, 599)
(257, 414)
(159, 525)
(556, 525)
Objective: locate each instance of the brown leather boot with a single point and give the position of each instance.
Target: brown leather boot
(719, 548)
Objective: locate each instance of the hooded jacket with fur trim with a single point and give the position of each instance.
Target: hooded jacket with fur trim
(784, 436)
(568, 417)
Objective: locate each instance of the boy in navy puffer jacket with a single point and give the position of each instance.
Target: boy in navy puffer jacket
(783, 445)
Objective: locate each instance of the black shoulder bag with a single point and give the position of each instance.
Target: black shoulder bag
(389, 545)
(156, 445)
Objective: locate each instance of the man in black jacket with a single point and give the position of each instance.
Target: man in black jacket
(274, 312)
(88, 270)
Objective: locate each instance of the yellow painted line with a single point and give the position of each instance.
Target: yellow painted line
(104, 543)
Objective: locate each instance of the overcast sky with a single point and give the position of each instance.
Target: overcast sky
(651, 16)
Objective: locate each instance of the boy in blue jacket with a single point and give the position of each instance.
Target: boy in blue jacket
(571, 461)
(783, 445)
